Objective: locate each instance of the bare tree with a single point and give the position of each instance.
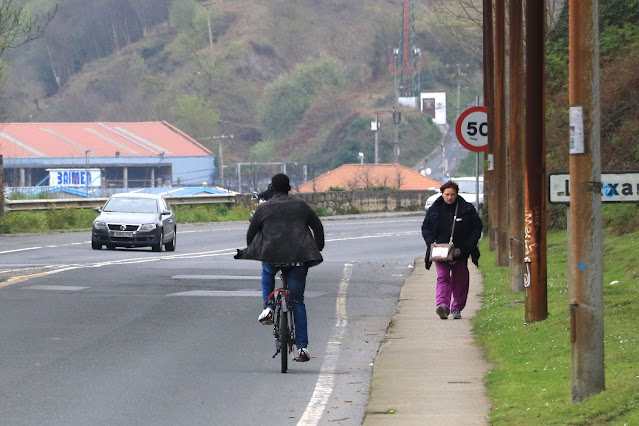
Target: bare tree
(17, 30)
(468, 13)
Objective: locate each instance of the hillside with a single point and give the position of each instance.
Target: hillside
(292, 81)
(172, 73)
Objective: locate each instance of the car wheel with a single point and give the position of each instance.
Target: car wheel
(158, 246)
(95, 245)
(170, 246)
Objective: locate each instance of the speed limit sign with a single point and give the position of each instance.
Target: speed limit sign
(472, 129)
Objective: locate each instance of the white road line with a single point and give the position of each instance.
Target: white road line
(324, 386)
(19, 279)
(382, 235)
(17, 250)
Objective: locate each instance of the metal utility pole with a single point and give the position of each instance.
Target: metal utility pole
(517, 141)
(489, 102)
(220, 151)
(397, 118)
(375, 128)
(585, 255)
(458, 75)
(535, 276)
(500, 181)
(86, 172)
(206, 5)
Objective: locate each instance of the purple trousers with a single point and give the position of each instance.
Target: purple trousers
(452, 281)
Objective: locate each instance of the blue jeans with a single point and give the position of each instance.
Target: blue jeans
(296, 280)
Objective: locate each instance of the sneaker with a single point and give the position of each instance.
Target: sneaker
(442, 312)
(266, 317)
(456, 314)
(302, 355)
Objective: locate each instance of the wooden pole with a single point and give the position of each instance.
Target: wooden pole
(517, 145)
(535, 219)
(585, 259)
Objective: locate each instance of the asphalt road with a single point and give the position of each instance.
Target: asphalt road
(126, 337)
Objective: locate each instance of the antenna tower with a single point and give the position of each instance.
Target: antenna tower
(406, 63)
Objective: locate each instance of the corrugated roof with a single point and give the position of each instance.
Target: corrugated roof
(136, 139)
(359, 176)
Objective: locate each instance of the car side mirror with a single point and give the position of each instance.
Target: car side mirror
(165, 212)
(98, 209)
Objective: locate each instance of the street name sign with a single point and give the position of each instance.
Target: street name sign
(472, 129)
(615, 187)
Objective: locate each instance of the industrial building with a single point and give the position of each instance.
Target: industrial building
(104, 155)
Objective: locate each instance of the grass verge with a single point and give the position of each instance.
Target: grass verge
(73, 219)
(530, 382)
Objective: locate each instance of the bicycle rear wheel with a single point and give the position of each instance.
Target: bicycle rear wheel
(284, 339)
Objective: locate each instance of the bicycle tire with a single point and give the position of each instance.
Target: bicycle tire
(284, 337)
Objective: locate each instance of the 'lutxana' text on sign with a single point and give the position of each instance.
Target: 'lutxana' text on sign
(615, 187)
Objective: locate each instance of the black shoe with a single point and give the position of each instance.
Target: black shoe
(442, 312)
(456, 314)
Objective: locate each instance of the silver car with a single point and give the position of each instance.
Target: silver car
(466, 189)
(135, 220)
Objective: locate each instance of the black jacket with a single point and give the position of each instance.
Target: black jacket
(280, 233)
(438, 223)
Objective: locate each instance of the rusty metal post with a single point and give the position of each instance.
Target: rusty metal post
(585, 262)
(536, 276)
(517, 145)
(489, 103)
(501, 160)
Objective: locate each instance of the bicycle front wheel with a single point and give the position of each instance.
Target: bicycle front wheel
(284, 339)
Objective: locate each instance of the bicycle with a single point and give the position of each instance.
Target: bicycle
(283, 319)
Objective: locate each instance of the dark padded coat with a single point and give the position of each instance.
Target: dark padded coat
(280, 233)
(438, 223)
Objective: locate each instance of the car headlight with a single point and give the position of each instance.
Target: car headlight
(148, 227)
(100, 225)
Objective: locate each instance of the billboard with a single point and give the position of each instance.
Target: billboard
(75, 177)
(433, 103)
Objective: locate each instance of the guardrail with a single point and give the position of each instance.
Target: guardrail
(332, 202)
(91, 203)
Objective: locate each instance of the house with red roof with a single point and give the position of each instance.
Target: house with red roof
(362, 176)
(113, 154)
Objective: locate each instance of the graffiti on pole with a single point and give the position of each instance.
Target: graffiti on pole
(531, 222)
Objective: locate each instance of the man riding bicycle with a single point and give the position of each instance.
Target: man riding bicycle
(280, 234)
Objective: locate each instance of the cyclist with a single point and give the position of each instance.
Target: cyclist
(280, 234)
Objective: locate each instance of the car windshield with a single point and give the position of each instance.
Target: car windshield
(468, 187)
(131, 205)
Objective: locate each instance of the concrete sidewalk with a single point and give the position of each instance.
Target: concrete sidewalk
(428, 370)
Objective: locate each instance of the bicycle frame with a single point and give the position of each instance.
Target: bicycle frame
(284, 321)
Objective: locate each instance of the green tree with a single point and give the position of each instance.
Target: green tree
(196, 116)
(285, 101)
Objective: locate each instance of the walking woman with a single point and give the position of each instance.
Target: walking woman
(452, 277)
